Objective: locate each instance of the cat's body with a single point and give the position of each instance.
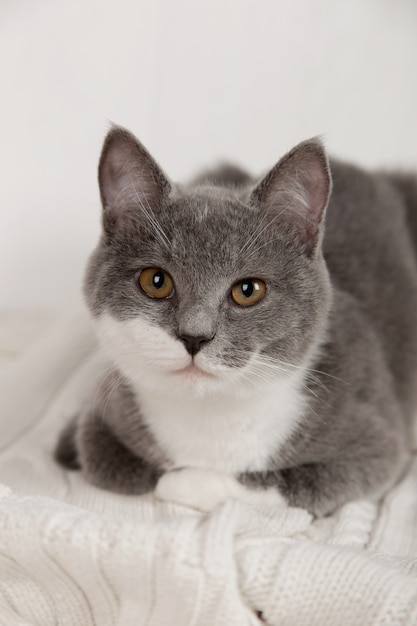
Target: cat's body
(308, 394)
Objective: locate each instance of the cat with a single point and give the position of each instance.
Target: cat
(261, 334)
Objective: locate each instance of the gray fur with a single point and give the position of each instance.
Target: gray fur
(345, 293)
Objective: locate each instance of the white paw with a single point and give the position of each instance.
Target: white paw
(193, 487)
(204, 490)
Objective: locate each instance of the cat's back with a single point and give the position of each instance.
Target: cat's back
(370, 253)
(366, 225)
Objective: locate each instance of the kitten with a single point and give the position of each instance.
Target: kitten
(258, 350)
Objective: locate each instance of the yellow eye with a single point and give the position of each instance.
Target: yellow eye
(248, 291)
(156, 283)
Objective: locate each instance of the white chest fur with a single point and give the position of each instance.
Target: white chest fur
(230, 428)
(229, 433)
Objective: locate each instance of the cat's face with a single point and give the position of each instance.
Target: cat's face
(205, 287)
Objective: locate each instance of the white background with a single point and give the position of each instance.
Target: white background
(196, 81)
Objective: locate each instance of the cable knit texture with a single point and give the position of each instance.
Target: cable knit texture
(72, 555)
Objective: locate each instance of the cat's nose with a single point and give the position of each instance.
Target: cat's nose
(193, 343)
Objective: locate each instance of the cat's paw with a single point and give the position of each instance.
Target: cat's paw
(194, 487)
(204, 490)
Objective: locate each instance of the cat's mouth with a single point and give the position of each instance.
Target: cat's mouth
(193, 371)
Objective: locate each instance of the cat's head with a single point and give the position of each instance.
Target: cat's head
(208, 286)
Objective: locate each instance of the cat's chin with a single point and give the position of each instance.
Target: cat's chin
(196, 380)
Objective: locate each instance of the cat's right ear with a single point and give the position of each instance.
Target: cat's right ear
(296, 193)
(130, 180)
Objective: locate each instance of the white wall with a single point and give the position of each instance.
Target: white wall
(196, 81)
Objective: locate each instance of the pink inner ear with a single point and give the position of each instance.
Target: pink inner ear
(311, 187)
(317, 188)
(128, 175)
(112, 177)
(302, 185)
(296, 190)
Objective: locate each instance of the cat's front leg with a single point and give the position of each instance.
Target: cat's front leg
(323, 487)
(90, 445)
(205, 489)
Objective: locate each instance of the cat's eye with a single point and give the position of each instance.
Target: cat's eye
(248, 291)
(156, 283)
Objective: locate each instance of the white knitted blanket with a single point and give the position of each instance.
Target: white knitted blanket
(72, 555)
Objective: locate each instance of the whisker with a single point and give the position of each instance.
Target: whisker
(113, 386)
(149, 214)
(271, 368)
(132, 194)
(262, 230)
(267, 243)
(302, 367)
(254, 234)
(100, 391)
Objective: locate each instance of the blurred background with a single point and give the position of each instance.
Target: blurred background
(196, 81)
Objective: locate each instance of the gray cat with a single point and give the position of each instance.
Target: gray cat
(259, 350)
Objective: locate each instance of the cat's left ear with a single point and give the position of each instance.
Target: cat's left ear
(296, 191)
